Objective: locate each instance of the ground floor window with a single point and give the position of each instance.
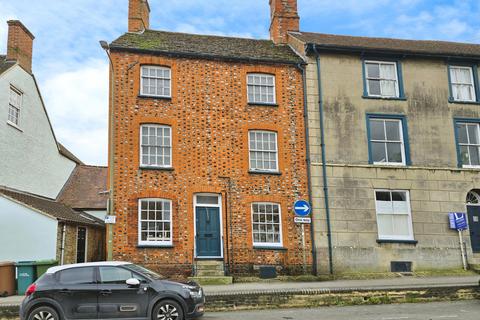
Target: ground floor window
(394, 217)
(155, 222)
(266, 224)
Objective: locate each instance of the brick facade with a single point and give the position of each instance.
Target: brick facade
(210, 118)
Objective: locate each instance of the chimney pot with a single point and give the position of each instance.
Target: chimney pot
(284, 18)
(138, 15)
(20, 44)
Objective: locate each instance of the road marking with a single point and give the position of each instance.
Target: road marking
(396, 318)
(443, 317)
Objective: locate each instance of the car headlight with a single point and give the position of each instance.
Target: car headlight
(195, 292)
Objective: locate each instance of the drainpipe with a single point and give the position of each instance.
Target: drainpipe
(324, 163)
(64, 229)
(309, 162)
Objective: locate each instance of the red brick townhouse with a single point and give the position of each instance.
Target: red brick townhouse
(209, 150)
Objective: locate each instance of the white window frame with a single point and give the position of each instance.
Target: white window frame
(158, 78)
(367, 78)
(468, 166)
(410, 236)
(385, 142)
(143, 165)
(12, 106)
(256, 150)
(149, 242)
(472, 84)
(261, 85)
(268, 244)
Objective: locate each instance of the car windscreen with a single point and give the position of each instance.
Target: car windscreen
(144, 271)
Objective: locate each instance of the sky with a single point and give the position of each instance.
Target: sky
(72, 69)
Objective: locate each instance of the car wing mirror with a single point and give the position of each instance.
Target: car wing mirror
(133, 282)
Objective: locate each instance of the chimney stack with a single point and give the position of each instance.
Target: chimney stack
(284, 18)
(138, 15)
(20, 44)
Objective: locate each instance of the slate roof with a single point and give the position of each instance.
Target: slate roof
(206, 46)
(66, 153)
(5, 65)
(52, 208)
(415, 47)
(86, 188)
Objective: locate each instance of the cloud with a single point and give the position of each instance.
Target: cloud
(77, 103)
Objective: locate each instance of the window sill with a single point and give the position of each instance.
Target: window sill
(273, 248)
(157, 168)
(463, 102)
(414, 242)
(386, 165)
(13, 125)
(142, 96)
(470, 168)
(260, 104)
(156, 246)
(385, 98)
(273, 173)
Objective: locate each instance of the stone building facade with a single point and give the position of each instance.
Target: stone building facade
(209, 152)
(397, 156)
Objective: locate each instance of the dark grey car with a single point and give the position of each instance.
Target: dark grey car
(110, 290)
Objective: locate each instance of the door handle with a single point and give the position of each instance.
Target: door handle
(65, 291)
(105, 292)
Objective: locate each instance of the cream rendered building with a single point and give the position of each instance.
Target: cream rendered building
(400, 123)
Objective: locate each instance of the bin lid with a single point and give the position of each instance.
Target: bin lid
(6, 263)
(45, 262)
(25, 263)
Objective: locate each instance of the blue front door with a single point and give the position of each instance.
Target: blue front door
(208, 239)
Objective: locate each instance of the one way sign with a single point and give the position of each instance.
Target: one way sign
(302, 208)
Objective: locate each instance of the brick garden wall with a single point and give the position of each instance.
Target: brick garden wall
(210, 119)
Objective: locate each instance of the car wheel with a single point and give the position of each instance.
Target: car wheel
(43, 313)
(168, 310)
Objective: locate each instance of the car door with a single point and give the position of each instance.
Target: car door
(77, 292)
(117, 299)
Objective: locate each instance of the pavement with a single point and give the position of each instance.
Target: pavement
(337, 285)
(405, 282)
(461, 310)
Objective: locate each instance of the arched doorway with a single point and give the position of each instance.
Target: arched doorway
(473, 212)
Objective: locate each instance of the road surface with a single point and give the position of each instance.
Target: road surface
(462, 310)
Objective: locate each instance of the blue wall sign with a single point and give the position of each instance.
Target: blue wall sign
(302, 208)
(458, 220)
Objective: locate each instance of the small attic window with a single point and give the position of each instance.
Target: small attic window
(14, 105)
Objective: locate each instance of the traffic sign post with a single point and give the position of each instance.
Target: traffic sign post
(302, 210)
(458, 221)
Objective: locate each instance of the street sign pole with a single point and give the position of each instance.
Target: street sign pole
(303, 250)
(462, 249)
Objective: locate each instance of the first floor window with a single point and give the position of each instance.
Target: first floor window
(155, 81)
(155, 222)
(263, 151)
(261, 88)
(156, 145)
(394, 218)
(468, 135)
(462, 83)
(386, 141)
(15, 102)
(382, 79)
(266, 224)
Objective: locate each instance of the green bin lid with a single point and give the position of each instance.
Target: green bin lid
(25, 263)
(45, 262)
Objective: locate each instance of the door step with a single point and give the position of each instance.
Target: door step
(209, 268)
(212, 280)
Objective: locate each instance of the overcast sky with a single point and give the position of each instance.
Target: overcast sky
(72, 70)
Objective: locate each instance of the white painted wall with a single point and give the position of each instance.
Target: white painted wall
(25, 234)
(100, 214)
(29, 160)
